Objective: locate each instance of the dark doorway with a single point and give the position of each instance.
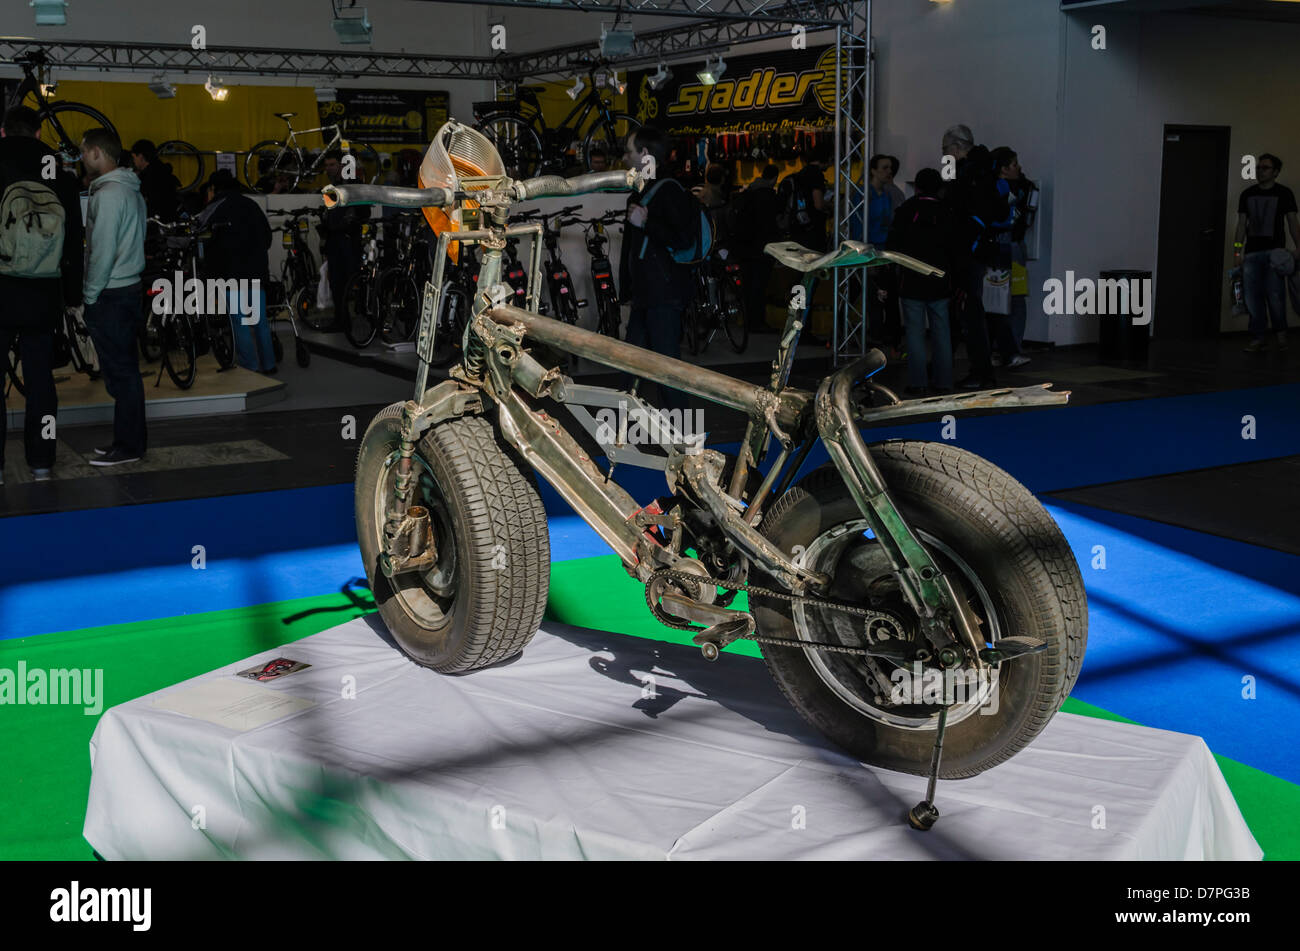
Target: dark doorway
(1193, 205)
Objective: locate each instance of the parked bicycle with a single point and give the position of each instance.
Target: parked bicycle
(401, 284)
(293, 165)
(609, 316)
(718, 305)
(529, 146)
(299, 273)
(181, 338)
(63, 123)
(562, 302)
(359, 309)
(72, 345)
(891, 564)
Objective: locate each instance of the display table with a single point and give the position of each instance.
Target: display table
(599, 746)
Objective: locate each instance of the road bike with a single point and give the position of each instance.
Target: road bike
(529, 146)
(63, 123)
(718, 305)
(893, 562)
(289, 164)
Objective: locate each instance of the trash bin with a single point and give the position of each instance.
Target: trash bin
(1118, 339)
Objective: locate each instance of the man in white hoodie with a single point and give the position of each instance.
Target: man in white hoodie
(115, 219)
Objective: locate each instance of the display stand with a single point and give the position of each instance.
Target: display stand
(599, 746)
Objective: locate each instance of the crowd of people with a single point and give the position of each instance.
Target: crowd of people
(970, 222)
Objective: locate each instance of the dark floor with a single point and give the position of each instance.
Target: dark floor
(309, 441)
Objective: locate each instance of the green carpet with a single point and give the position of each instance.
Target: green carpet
(45, 763)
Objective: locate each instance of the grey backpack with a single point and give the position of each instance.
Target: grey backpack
(31, 230)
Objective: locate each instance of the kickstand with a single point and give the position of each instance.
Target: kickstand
(924, 815)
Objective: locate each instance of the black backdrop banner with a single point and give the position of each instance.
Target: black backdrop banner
(778, 91)
(388, 116)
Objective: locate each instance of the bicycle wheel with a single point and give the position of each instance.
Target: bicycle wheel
(178, 351)
(221, 332)
(607, 316)
(516, 141)
(64, 124)
(186, 162)
(367, 170)
(84, 358)
(399, 305)
(611, 137)
(733, 317)
(693, 333)
(359, 322)
(267, 161)
(151, 347)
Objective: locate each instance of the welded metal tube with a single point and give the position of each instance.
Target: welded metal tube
(605, 350)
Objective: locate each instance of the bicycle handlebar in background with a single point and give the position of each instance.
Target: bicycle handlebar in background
(545, 186)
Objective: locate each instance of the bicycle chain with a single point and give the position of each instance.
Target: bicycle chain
(670, 621)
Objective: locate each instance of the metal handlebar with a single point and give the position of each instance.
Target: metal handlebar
(391, 195)
(555, 186)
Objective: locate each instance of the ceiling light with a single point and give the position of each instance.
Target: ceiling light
(353, 26)
(216, 88)
(576, 89)
(661, 76)
(50, 12)
(48, 89)
(161, 88)
(326, 94)
(616, 40)
(712, 71)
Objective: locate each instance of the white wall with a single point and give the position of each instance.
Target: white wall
(1158, 70)
(992, 65)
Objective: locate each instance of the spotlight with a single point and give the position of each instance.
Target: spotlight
(616, 84)
(661, 76)
(326, 94)
(616, 40)
(50, 12)
(576, 89)
(216, 88)
(161, 88)
(49, 89)
(712, 71)
(352, 26)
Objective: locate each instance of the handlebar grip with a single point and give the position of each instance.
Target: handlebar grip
(390, 195)
(555, 186)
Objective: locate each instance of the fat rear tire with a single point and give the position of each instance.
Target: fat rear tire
(497, 528)
(997, 527)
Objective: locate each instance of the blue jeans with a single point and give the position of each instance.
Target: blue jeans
(114, 323)
(253, 348)
(914, 315)
(1262, 288)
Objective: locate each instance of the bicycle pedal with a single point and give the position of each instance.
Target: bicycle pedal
(1009, 648)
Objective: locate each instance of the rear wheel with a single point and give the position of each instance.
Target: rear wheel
(360, 323)
(516, 141)
(65, 124)
(268, 161)
(1006, 559)
(186, 162)
(221, 333)
(179, 355)
(609, 138)
(733, 317)
(483, 599)
(399, 305)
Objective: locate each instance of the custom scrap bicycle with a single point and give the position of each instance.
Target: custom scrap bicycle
(889, 566)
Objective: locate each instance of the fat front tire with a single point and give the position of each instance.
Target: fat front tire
(1005, 556)
(483, 600)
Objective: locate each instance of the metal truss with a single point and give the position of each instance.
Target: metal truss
(807, 12)
(230, 60)
(853, 128)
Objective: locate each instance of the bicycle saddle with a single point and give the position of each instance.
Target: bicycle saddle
(284, 115)
(848, 254)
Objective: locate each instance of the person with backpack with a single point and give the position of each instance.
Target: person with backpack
(115, 218)
(753, 215)
(666, 235)
(803, 207)
(924, 228)
(975, 202)
(40, 272)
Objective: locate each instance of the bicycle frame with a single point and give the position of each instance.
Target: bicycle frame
(497, 369)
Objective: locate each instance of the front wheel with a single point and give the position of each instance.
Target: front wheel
(360, 322)
(516, 141)
(733, 317)
(221, 332)
(1007, 561)
(179, 351)
(483, 598)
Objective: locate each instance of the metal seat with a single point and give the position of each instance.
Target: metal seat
(848, 254)
(285, 115)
